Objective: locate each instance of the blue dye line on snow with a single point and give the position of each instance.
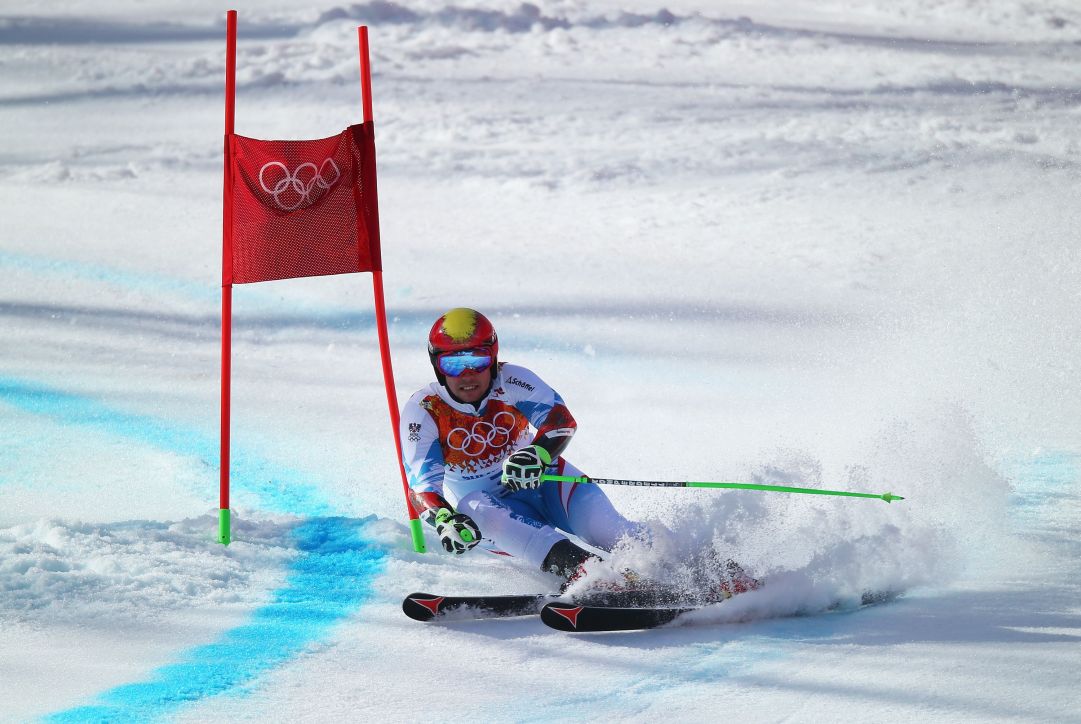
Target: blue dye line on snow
(102, 274)
(328, 581)
(411, 324)
(156, 284)
(275, 488)
(1041, 478)
(326, 584)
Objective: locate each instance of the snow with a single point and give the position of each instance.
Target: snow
(829, 244)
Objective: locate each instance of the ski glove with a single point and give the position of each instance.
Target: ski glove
(523, 469)
(457, 531)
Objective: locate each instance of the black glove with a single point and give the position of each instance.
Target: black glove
(457, 531)
(523, 469)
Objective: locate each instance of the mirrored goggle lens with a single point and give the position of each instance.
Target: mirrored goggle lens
(454, 364)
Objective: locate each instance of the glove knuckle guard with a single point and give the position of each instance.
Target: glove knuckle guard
(450, 532)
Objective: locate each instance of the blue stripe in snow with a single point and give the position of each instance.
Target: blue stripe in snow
(275, 488)
(102, 274)
(1044, 487)
(329, 580)
(326, 584)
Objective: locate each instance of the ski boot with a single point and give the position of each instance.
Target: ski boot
(568, 561)
(717, 580)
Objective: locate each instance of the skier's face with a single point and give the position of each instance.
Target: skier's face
(470, 386)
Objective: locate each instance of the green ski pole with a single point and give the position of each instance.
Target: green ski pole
(888, 497)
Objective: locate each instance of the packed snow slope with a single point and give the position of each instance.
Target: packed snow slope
(830, 244)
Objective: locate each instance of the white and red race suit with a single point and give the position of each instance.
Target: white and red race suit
(455, 450)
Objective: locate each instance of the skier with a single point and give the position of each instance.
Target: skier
(475, 445)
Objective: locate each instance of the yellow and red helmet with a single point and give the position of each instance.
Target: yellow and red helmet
(461, 330)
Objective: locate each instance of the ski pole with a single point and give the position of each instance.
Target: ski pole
(888, 497)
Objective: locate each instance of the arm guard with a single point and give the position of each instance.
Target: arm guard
(555, 433)
(428, 504)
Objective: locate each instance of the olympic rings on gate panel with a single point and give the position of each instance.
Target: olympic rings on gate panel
(293, 182)
(476, 441)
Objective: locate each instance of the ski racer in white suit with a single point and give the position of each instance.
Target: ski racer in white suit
(475, 445)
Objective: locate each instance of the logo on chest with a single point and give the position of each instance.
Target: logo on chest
(520, 383)
(483, 437)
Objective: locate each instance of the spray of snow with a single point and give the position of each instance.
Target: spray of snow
(817, 552)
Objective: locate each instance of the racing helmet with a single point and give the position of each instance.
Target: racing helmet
(460, 340)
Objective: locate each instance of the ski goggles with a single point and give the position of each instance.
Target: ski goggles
(455, 364)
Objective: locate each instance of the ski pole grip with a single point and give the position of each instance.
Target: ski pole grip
(564, 479)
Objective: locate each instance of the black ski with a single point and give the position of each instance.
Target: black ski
(587, 618)
(577, 617)
(426, 606)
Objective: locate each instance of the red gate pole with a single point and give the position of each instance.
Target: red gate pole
(415, 527)
(227, 278)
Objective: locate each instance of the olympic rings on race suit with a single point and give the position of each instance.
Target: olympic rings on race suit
(482, 435)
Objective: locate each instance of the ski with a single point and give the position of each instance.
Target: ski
(576, 617)
(428, 606)
(626, 610)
